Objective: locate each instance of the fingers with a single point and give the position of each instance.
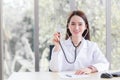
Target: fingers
(56, 37)
(79, 72)
(83, 71)
(56, 40)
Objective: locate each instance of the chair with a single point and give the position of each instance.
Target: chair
(50, 53)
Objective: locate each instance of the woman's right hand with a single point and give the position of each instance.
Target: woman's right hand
(56, 40)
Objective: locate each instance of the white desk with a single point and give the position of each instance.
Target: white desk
(52, 76)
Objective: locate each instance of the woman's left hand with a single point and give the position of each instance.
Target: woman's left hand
(83, 71)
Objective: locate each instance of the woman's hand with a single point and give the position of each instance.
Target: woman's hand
(83, 71)
(56, 40)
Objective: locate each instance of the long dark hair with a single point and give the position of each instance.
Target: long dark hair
(83, 16)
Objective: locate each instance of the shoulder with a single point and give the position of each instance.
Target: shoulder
(90, 43)
(92, 47)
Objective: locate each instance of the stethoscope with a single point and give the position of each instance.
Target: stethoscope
(71, 62)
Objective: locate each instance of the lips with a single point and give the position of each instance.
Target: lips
(75, 32)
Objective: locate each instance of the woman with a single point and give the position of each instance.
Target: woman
(77, 53)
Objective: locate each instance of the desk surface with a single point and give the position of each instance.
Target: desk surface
(52, 76)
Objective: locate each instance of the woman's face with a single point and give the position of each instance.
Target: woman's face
(76, 26)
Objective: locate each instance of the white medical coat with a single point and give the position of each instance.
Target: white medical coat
(88, 54)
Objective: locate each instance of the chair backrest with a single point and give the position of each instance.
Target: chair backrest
(50, 53)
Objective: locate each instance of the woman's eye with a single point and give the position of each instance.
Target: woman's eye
(72, 24)
(80, 24)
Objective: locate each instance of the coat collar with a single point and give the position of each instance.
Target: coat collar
(82, 45)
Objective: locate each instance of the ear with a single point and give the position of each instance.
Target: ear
(68, 27)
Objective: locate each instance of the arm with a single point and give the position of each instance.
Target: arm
(99, 60)
(56, 60)
(55, 57)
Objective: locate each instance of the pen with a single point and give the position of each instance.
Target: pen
(68, 75)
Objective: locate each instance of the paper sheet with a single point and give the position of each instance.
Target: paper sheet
(72, 75)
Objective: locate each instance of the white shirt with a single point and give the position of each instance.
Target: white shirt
(88, 54)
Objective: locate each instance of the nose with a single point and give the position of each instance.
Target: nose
(76, 27)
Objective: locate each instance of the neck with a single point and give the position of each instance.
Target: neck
(76, 40)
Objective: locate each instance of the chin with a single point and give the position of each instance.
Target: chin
(77, 35)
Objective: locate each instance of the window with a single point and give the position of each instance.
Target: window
(19, 25)
(115, 33)
(53, 15)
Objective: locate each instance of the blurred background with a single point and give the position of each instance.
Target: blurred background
(19, 27)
